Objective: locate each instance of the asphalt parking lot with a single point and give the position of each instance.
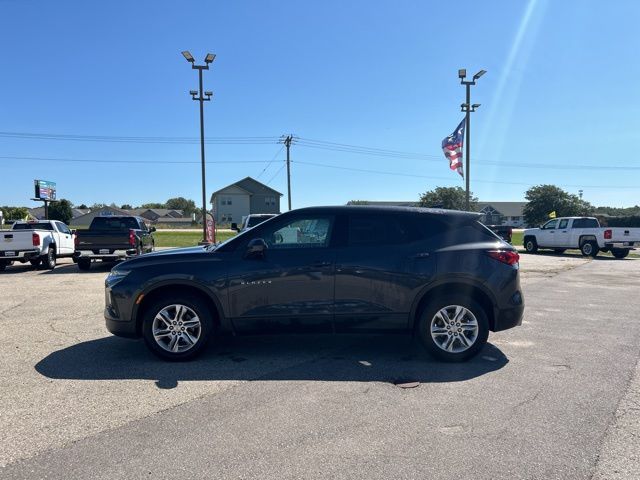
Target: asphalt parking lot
(555, 398)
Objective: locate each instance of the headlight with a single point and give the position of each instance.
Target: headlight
(116, 275)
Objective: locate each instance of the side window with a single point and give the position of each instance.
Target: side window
(550, 225)
(563, 224)
(381, 230)
(301, 233)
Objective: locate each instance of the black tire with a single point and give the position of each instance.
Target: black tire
(589, 248)
(49, 260)
(3, 265)
(559, 250)
(84, 264)
(619, 253)
(198, 306)
(428, 317)
(530, 244)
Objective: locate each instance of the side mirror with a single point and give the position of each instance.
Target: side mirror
(234, 226)
(152, 229)
(256, 248)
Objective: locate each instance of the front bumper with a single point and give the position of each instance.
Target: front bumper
(119, 327)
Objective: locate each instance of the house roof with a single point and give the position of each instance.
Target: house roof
(249, 185)
(161, 212)
(508, 209)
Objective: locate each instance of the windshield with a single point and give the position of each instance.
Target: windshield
(110, 223)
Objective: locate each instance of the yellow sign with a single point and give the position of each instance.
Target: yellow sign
(552, 214)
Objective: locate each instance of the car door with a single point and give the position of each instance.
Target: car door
(65, 239)
(547, 234)
(291, 286)
(563, 234)
(383, 262)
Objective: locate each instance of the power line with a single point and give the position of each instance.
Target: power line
(140, 139)
(401, 174)
(270, 162)
(303, 142)
(144, 162)
(276, 174)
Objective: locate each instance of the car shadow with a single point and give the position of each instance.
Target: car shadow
(61, 269)
(349, 358)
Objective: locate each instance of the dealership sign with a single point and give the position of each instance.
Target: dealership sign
(45, 190)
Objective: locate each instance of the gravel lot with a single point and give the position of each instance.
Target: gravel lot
(555, 398)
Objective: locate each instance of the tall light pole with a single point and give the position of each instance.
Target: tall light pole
(467, 107)
(199, 96)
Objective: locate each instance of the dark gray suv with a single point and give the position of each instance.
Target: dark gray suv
(437, 274)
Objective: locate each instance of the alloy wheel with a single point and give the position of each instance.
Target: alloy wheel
(454, 329)
(176, 328)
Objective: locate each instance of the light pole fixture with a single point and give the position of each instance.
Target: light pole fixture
(467, 107)
(200, 96)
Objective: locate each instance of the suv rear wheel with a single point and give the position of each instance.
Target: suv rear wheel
(177, 328)
(453, 328)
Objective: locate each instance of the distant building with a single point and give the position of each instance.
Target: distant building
(244, 197)
(502, 213)
(157, 215)
(106, 211)
(38, 212)
(493, 213)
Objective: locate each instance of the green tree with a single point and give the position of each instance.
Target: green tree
(544, 199)
(181, 203)
(82, 206)
(126, 206)
(153, 205)
(451, 198)
(15, 213)
(61, 210)
(97, 206)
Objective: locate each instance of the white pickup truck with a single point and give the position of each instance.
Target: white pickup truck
(39, 243)
(584, 233)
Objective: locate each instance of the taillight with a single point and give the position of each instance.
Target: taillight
(608, 234)
(132, 238)
(505, 256)
(35, 239)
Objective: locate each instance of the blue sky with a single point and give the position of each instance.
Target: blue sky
(560, 101)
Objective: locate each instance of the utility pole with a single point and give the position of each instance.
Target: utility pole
(467, 107)
(287, 143)
(198, 96)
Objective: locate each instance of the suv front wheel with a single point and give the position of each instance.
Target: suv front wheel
(177, 328)
(453, 328)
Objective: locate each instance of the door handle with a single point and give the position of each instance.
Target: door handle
(421, 255)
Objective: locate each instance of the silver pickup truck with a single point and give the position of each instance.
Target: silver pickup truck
(584, 233)
(39, 243)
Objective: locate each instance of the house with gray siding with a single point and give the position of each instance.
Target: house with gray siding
(244, 197)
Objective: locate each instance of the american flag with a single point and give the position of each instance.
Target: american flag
(452, 148)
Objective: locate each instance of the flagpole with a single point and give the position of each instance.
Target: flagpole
(467, 107)
(467, 143)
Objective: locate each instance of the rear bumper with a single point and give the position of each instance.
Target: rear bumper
(508, 318)
(19, 255)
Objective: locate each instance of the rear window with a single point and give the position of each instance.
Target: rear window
(585, 223)
(109, 223)
(33, 226)
(253, 221)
